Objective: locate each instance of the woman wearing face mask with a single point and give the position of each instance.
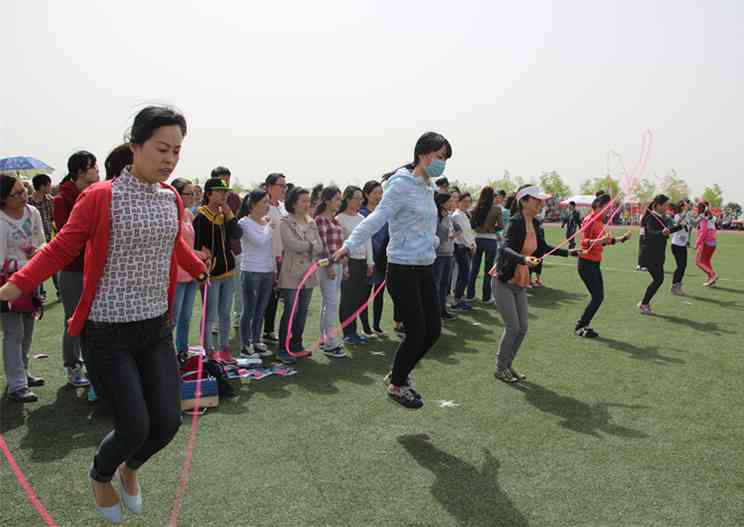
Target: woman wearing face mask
(372, 192)
(332, 235)
(706, 243)
(214, 227)
(258, 267)
(302, 245)
(593, 241)
(183, 304)
(408, 208)
(132, 228)
(21, 235)
(355, 287)
(524, 238)
(654, 251)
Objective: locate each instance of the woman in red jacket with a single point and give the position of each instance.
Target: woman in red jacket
(131, 230)
(594, 239)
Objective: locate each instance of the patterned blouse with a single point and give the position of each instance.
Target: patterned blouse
(45, 209)
(143, 229)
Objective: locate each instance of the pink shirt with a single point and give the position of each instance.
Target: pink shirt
(706, 232)
(187, 229)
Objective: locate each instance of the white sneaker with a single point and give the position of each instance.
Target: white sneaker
(76, 377)
(490, 302)
(262, 350)
(250, 359)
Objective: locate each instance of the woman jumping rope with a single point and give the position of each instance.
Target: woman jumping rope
(408, 207)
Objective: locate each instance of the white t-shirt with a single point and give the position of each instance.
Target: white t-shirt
(275, 217)
(18, 236)
(257, 254)
(467, 237)
(681, 237)
(349, 223)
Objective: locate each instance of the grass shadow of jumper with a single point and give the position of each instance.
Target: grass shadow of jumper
(578, 416)
(470, 495)
(710, 328)
(650, 353)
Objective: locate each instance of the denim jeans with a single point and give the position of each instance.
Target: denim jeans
(135, 369)
(489, 248)
(256, 292)
(238, 299)
(442, 278)
(462, 259)
(70, 291)
(18, 330)
(183, 308)
(298, 324)
(219, 307)
(330, 289)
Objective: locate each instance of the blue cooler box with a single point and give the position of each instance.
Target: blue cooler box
(210, 397)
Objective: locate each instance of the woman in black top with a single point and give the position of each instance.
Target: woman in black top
(653, 251)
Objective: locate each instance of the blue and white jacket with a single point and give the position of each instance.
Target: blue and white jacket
(408, 207)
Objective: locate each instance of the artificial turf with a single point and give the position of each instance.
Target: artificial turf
(640, 427)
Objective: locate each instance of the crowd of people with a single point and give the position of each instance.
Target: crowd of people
(128, 256)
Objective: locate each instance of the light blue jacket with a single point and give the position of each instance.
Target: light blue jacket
(408, 207)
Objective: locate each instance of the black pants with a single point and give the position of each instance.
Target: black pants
(270, 314)
(134, 367)
(656, 270)
(377, 310)
(641, 246)
(591, 275)
(414, 293)
(354, 292)
(680, 256)
(462, 260)
(572, 241)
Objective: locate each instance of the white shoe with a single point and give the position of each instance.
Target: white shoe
(76, 378)
(250, 359)
(261, 349)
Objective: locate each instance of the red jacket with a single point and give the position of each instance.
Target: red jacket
(63, 203)
(593, 238)
(88, 226)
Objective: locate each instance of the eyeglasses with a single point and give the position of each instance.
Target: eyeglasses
(18, 194)
(187, 194)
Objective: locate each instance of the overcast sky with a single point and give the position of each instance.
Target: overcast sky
(340, 90)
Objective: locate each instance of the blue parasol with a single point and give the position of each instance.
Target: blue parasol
(21, 163)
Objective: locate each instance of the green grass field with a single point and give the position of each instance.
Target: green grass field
(641, 427)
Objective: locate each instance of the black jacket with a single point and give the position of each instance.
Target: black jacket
(653, 250)
(212, 233)
(511, 253)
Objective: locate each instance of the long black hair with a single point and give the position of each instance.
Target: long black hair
(7, 182)
(118, 158)
(485, 202)
(326, 195)
(348, 194)
(80, 161)
(250, 200)
(368, 188)
(440, 198)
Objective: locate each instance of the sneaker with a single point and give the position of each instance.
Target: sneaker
(404, 396)
(251, 358)
(400, 331)
(368, 333)
(490, 302)
(34, 382)
(448, 316)
(262, 350)
(270, 337)
(645, 309)
(76, 378)
(24, 395)
(517, 376)
(286, 358)
(586, 332)
(335, 353)
(711, 282)
(677, 290)
(225, 356)
(379, 332)
(462, 306)
(505, 376)
(355, 340)
(387, 379)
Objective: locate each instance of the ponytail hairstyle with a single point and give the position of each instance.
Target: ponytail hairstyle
(600, 201)
(485, 202)
(368, 188)
(516, 205)
(440, 198)
(326, 195)
(509, 203)
(315, 194)
(7, 182)
(118, 158)
(703, 208)
(78, 162)
(249, 201)
(179, 184)
(659, 199)
(348, 194)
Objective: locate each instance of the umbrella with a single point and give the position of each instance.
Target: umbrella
(580, 200)
(22, 163)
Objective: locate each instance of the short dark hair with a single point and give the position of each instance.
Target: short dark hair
(150, 119)
(7, 182)
(272, 178)
(442, 182)
(221, 171)
(41, 180)
(292, 198)
(118, 158)
(501, 193)
(572, 204)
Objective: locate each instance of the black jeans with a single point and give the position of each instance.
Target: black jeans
(488, 248)
(591, 275)
(354, 292)
(572, 241)
(270, 315)
(134, 367)
(414, 293)
(378, 305)
(656, 270)
(462, 260)
(680, 256)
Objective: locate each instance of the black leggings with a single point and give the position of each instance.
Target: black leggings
(656, 270)
(134, 367)
(680, 256)
(377, 310)
(414, 293)
(591, 274)
(354, 292)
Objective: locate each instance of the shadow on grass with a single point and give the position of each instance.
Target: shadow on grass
(731, 304)
(549, 297)
(650, 353)
(704, 327)
(470, 495)
(577, 415)
(727, 289)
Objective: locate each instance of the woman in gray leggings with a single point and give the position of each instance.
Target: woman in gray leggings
(524, 237)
